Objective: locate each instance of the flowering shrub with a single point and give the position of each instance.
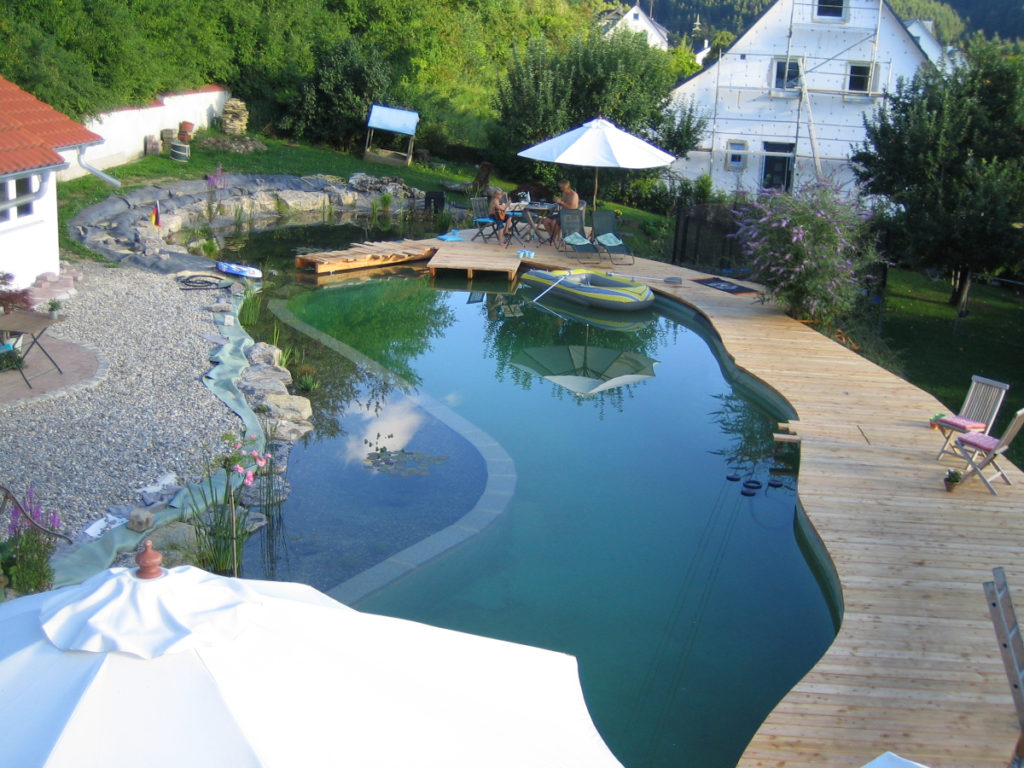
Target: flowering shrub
(808, 249)
(25, 553)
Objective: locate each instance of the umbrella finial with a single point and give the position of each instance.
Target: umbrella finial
(149, 562)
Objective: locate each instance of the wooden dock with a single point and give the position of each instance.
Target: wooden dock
(363, 255)
(473, 258)
(915, 668)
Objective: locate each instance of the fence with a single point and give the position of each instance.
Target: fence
(703, 239)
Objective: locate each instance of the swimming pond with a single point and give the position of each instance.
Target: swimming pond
(691, 607)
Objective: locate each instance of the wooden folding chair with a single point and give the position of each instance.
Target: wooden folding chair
(981, 450)
(979, 410)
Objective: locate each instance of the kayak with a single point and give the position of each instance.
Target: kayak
(590, 287)
(242, 270)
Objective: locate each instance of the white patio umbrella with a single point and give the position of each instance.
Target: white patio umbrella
(192, 669)
(891, 760)
(601, 144)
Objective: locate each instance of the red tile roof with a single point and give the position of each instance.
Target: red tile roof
(31, 131)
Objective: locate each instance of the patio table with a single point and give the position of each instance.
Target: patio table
(524, 226)
(33, 325)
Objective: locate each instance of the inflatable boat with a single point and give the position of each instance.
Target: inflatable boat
(590, 287)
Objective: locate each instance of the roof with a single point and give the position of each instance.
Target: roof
(31, 132)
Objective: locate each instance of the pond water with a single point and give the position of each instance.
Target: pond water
(628, 542)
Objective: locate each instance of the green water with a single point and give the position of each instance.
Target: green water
(691, 607)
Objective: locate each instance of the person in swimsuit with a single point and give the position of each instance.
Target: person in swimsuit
(569, 199)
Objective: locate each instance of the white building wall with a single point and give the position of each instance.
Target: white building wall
(823, 120)
(125, 130)
(28, 244)
(635, 20)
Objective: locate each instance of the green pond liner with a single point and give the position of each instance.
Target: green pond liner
(91, 557)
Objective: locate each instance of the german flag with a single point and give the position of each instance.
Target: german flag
(155, 215)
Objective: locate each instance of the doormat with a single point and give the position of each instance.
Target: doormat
(722, 285)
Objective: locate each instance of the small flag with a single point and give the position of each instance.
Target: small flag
(155, 215)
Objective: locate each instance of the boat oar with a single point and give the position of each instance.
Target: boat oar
(670, 280)
(541, 296)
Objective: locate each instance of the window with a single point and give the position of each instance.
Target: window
(23, 186)
(736, 155)
(831, 9)
(778, 166)
(5, 214)
(787, 74)
(860, 78)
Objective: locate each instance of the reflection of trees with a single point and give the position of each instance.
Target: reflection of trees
(515, 323)
(390, 321)
(754, 447)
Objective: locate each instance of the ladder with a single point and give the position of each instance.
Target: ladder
(1004, 620)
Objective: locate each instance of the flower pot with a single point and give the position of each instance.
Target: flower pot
(53, 314)
(950, 484)
(186, 126)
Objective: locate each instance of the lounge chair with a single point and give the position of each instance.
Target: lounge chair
(979, 410)
(486, 226)
(606, 237)
(574, 237)
(980, 450)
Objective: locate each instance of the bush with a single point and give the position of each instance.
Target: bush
(808, 249)
(25, 553)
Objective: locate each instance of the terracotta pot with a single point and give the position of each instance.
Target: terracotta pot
(184, 137)
(950, 485)
(186, 126)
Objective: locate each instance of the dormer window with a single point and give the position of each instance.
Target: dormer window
(831, 9)
(787, 73)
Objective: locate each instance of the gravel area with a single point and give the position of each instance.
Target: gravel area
(92, 448)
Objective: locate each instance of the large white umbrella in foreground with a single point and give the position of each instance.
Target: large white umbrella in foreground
(601, 144)
(192, 669)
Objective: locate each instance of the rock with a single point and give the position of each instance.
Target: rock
(234, 119)
(267, 371)
(140, 519)
(259, 389)
(288, 430)
(222, 306)
(287, 407)
(261, 352)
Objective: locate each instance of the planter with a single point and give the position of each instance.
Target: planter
(950, 484)
(186, 126)
(53, 314)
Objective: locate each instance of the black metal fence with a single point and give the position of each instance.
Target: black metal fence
(703, 239)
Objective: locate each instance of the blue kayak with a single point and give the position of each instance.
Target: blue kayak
(242, 270)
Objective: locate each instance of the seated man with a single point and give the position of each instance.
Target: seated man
(499, 212)
(569, 199)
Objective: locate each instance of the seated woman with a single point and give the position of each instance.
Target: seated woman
(569, 199)
(499, 212)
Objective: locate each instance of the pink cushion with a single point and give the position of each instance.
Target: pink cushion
(961, 424)
(979, 441)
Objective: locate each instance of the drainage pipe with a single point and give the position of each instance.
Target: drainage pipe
(96, 171)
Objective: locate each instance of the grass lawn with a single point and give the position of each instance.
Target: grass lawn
(939, 352)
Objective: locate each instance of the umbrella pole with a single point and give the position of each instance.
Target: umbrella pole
(595, 189)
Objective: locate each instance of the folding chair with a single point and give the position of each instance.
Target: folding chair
(574, 237)
(486, 226)
(979, 410)
(606, 237)
(981, 450)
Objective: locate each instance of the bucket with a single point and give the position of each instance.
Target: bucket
(184, 137)
(186, 126)
(179, 151)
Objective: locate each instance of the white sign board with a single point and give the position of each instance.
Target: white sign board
(391, 119)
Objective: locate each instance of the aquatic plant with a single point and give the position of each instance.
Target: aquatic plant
(251, 308)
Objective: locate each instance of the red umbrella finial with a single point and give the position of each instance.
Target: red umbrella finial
(149, 562)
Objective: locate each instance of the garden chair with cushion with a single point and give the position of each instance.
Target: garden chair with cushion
(979, 410)
(486, 226)
(980, 450)
(574, 238)
(606, 237)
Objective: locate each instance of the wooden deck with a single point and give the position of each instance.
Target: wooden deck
(915, 668)
(475, 257)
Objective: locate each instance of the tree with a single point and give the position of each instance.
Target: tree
(946, 153)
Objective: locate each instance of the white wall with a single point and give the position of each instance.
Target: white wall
(28, 244)
(125, 130)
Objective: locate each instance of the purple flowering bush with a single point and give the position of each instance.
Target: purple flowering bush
(809, 249)
(25, 552)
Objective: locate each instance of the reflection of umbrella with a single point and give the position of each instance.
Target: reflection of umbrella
(584, 369)
(599, 143)
(192, 669)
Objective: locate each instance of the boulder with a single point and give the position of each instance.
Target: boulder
(287, 408)
(140, 519)
(261, 352)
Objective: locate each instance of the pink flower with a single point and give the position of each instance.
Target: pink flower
(255, 452)
(239, 469)
(248, 478)
(238, 446)
(261, 462)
